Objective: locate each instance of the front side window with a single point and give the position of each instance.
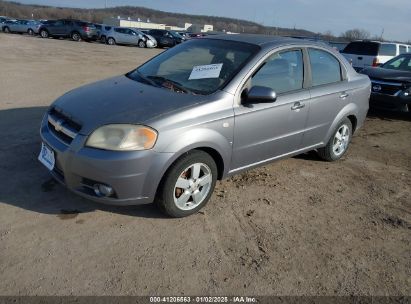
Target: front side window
(388, 50)
(200, 66)
(282, 72)
(325, 68)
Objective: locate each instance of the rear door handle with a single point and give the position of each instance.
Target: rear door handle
(298, 105)
(344, 95)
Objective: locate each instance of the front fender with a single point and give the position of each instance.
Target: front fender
(201, 138)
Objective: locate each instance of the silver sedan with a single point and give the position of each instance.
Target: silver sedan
(201, 111)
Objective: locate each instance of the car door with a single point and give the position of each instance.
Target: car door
(264, 131)
(120, 36)
(132, 37)
(56, 28)
(330, 92)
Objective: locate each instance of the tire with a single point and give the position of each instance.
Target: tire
(111, 41)
(338, 144)
(196, 174)
(75, 36)
(44, 34)
(6, 29)
(103, 39)
(141, 44)
(30, 32)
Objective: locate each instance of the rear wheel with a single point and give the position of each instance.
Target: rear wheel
(141, 44)
(338, 143)
(111, 41)
(75, 36)
(30, 32)
(188, 184)
(6, 30)
(103, 39)
(44, 34)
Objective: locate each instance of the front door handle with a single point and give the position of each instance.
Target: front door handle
(298, 105)
(344, 95)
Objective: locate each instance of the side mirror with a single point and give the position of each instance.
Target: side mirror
(258, 94)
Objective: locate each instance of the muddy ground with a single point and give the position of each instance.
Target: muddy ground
(295, 227)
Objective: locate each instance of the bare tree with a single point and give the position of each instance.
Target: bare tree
(355, 34)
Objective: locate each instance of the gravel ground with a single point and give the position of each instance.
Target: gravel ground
(295, 227)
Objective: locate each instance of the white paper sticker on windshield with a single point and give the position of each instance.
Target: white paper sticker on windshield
(206, 71)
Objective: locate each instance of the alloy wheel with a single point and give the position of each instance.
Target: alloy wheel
(341, 140)
(192, 186)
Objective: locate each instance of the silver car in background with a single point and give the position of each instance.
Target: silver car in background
(198, 112)
(21, 26)
(126, 36)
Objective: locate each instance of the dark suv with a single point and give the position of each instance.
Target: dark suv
(166, 38)
(74, 29)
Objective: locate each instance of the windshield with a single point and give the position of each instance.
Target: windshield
(175, 34)
(196, 66)
(400, 63)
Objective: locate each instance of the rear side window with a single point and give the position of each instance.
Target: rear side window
(362, 48)
(403, 49)
(325, 68)
(388, 50)
(108, 28)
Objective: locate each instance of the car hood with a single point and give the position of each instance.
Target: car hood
(121, 100)
(388, 74)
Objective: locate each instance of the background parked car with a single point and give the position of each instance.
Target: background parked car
(363, 54)
(166, 38)
(124, 35)
(340, 46)
(3, 20)
(30, 27)
(74, 29)
(391, 84)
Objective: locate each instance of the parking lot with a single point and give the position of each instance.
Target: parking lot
(295, 227)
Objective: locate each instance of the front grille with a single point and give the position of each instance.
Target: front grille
(386, 88)
(62, 126)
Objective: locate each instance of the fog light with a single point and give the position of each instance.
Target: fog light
(103, 190)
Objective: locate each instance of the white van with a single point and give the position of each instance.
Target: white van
(363, 54)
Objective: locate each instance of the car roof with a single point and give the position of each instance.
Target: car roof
(262, 40)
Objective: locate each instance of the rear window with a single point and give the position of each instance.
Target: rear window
(362, 48)
(388, 50)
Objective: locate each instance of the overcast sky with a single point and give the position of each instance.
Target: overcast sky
(392, 16)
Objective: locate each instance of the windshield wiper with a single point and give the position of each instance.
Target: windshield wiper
(175, 84)
(146, 79)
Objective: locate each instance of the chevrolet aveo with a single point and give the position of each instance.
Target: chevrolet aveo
(202, 111)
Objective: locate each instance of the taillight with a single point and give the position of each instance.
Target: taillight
(86, 28)
(375, 62)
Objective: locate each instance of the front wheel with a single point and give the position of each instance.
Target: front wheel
(6, 30)
(111, 41)
(338, 143)
(141, 44)
(103, 39)
(30, 32)
(188, 184)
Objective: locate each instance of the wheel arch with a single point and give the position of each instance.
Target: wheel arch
(351, 112)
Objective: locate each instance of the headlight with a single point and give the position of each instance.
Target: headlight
(122, 137)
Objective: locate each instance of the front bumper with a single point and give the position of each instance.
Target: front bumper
(134, 176)
(151, 44)
(390, 102)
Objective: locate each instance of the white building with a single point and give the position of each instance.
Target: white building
(128, 22)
